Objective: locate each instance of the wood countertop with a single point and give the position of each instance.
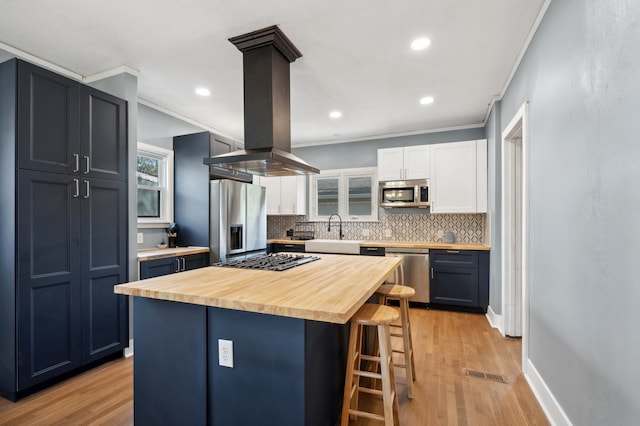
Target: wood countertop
(401, 244)
(151, 254)
(330, 289)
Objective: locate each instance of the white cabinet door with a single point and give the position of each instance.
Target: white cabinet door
(482, 193)
(272, 185)
(390, 164)
(417, 162)
(285, 194)
(293, 195)
(453, 177)
(409, 162)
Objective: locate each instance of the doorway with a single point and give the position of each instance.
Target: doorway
(515, 297)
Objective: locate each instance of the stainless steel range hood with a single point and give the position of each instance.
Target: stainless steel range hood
(267, 54)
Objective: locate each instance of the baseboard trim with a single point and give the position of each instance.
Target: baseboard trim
(128, 352)
(553, 410)
(496, 321)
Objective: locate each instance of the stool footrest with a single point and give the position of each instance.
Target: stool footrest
(367, 374)
(370, 391)
(365, 414)
(370, 358)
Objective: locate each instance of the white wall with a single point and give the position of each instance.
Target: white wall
(581, 75)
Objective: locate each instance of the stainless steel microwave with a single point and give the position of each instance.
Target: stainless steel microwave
(404, 193)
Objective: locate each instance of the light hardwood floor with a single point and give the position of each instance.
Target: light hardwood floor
(445, 344)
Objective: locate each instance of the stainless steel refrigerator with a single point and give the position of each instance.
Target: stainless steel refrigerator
(238, 216)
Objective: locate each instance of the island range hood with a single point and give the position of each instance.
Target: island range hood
(267, 54)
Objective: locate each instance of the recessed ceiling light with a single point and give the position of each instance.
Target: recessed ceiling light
(335, 114)
(420, 43)
(427, 100)
(203, 91)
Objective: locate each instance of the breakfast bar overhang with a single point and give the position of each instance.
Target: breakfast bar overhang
(289, 331)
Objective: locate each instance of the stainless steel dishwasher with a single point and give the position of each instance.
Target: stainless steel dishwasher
(415, 271)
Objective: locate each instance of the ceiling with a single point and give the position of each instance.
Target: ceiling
(356, 57)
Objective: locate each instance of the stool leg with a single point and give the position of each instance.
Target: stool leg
(408, 347)
(413, 364)
(348, 380)
(357, 365)
(389, 394)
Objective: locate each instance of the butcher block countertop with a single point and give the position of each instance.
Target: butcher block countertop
(330, 289)
(401, 244)
(157, 253)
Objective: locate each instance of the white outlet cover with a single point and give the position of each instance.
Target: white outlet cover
(225, 353)
(140, 238)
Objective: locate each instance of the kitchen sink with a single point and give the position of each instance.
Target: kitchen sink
(333, 246)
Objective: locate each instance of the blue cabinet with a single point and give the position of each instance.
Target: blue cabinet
(171, 265)
(296, 248)
(63, 167)
(459, 279)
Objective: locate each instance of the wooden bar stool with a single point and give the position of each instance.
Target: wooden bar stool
(380, 317)
(402, 293)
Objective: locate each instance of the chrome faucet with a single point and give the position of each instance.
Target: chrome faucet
(340, 230)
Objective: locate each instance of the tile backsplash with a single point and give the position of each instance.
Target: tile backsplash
(467, 228)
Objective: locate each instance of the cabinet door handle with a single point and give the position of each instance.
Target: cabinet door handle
(177, 265)
(77, 159)
(86, 163)
(431, 273)
(86, 189)
(401, 173)
(453, 251)
(77, 182)
(184, 264)
(405, 173)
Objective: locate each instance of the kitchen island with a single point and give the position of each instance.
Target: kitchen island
(289, 332)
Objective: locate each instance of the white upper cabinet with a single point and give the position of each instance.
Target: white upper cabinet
(409, 162)
(459, 177)
(286, 195)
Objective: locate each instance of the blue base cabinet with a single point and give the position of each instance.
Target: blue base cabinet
(287, 371)
(459, 279)
(171, 265)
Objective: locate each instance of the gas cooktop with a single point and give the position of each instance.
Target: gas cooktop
(269, 262)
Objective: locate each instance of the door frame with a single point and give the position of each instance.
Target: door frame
(515, 301)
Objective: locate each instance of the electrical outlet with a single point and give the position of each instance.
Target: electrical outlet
(225, 353)
(140, 238)
(365, 232)
(387, 233)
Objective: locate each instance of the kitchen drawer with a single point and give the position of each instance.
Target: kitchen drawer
(278, 247)
(171, 265)
(454, 258)
(372, 251)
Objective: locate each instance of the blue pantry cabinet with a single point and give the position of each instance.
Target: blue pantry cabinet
(63, 150)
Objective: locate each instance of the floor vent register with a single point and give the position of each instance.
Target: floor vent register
(487, 376)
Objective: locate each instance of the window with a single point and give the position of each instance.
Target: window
(154, 176)
(351, 193)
